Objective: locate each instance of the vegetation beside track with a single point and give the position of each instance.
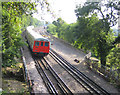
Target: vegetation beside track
(13, 81)
(16, 16)
(93, 33)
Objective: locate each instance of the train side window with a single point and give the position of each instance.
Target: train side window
(41, 43)
(36, 43)
(46, 44)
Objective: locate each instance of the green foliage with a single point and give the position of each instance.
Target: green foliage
(114, 57)
(87, 33)
(35, 22)
(25, 21)
(62, 30)
(90, 32)
(52, 29)
(13, 19)
(58, 25)
(96, 34)
(28, 20)
(85, 10)
(67, 33)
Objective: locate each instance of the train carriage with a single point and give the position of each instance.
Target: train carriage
(39, 45)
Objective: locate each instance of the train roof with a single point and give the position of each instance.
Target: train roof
(36, 35)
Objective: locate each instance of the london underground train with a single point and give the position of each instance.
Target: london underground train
(39, 45)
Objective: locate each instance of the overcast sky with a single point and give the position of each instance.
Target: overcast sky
(61, 8)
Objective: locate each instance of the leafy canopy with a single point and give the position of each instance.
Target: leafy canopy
(14, 14)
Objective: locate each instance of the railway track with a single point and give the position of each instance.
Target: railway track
(86, 82)
(81, 78)
(53, 82)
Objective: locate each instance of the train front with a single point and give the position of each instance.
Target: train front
(41, 47)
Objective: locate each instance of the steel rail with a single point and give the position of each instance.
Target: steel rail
(71, 72)
(61, 83)
(51, 71)
(79, 74)
(47, 82)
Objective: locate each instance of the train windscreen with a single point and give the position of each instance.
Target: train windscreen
(46, 44)
(41, 43)
(36, 43)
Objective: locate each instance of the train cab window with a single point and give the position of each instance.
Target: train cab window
(46, 44)
(41, 43)
(36, 43)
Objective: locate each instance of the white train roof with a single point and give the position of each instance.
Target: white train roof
(36, 35)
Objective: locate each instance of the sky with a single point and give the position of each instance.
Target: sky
(65, 9)
(61, 8)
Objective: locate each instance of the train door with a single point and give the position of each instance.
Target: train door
(47, 47)
(36, 46)
(44, 47)
(41, 46)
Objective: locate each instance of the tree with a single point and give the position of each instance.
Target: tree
(12, 13)
(15, 18)
(52, 29)
(114, 57)
(62, 30)
(58, 24)
(67, 32)
(35, 22)
(98, 31)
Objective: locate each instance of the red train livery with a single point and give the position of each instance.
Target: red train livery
(38, 44)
